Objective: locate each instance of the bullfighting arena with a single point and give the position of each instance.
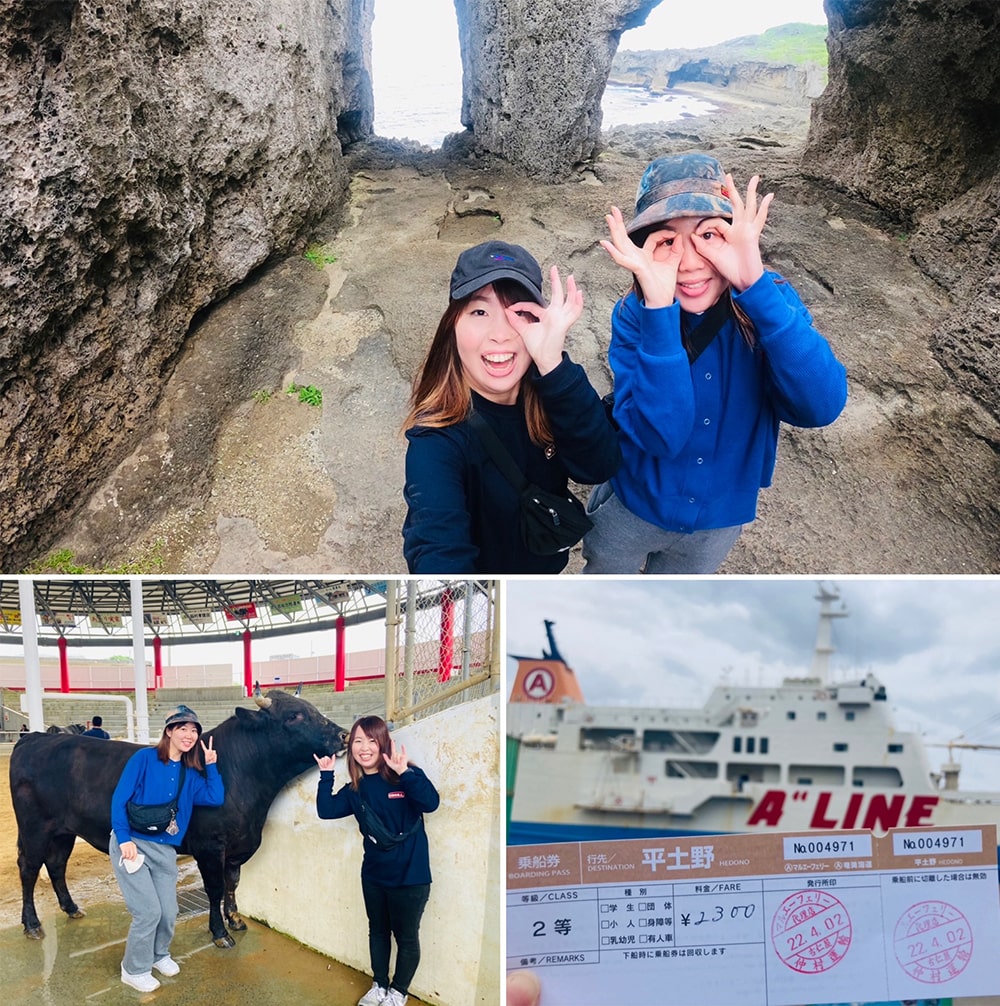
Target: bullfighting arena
(78, 961)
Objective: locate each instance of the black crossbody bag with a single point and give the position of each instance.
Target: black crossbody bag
(549, 522)
(156, 818)
(375, 828)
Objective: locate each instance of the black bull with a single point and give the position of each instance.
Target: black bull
(61, 787)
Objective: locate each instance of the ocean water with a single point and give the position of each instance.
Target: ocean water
(428, 113)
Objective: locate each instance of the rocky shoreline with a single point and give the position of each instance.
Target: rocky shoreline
(271, 485)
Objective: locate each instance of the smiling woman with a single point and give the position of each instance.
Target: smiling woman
(498, 353)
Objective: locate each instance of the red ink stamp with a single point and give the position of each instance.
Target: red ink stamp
(811, 931)
(933, 942)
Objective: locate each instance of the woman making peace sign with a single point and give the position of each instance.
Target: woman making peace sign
(388, 796)
(146, 863)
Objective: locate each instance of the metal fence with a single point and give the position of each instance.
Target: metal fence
(442, 646)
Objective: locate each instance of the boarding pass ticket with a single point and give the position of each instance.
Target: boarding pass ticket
(770, 919)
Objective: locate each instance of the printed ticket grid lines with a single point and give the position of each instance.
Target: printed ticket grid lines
(774, 919)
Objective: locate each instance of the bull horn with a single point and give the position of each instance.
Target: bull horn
(262, 702)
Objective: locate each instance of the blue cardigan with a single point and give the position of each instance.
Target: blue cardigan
(145, 779)
(699, 440)
(462, 514)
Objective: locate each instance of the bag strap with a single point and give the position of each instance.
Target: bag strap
(368, 811)
(698, 331)
(496, 450)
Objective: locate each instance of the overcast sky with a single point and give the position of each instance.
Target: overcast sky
(934, 643)
(403, 29)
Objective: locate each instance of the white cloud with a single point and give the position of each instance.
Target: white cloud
(935, 644)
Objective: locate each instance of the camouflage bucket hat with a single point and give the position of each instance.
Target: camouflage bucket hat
(680, 185)
(182, 714)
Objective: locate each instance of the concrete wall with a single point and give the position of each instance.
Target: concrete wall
(305, 879)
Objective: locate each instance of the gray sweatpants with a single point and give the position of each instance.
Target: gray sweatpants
(622, 543)
(151, 897)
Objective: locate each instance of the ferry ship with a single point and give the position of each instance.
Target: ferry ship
(805, 754)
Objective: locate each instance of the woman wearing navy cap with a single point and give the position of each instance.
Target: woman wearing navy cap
(498, 350)
(146, 864)
(710, 353)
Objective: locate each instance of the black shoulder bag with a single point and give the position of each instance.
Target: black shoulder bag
(375, 829)
(156, 818)
(550, 523)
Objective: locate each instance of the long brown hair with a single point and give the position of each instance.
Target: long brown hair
(378, 730)
(192, 758)
(441, 394)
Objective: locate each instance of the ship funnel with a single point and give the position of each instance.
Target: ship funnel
(549, 679)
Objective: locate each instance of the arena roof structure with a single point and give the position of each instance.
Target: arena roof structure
(97, 611)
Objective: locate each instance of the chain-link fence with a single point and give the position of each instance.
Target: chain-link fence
(446, 645)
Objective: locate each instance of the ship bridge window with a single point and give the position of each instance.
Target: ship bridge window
(877, 775)
(607, 739)
(677, 768)
(764, 745)
(741, 772)
(821, 715)
(849, 715)
(895, 749)
(790, 714)
(680, 741)
(737, 745)
(751, 745)
(816, 775)
(840, 746)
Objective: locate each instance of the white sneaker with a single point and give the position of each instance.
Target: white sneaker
(141, 983)
(394, 998)
(375, 996)
(167, 966)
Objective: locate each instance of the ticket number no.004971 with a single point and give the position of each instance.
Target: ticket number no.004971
(786, 919)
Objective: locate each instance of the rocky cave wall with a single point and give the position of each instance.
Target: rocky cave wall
(910, 121)
(533, 75)
(153, 155)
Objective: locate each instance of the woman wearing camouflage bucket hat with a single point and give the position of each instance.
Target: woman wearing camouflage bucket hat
(710, 353)
(181, 769)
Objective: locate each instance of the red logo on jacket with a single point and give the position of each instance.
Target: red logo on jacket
(396, 795)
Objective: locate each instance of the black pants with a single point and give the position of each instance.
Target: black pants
(394, 911)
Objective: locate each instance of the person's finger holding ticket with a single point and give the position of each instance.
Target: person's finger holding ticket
(523, 989)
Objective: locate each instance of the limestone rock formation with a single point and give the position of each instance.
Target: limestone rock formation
(533, 75)
(659, 70)
(911, 122)
(153, 155)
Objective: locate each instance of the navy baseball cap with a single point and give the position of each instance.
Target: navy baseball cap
(493, 260)
(680, 185)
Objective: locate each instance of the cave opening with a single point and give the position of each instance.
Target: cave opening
(682, 24)
(416, 70)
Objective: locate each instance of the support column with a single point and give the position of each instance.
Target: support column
(157, 662)
(340, 673)
(139, 661)
(32, 667)
(63, 665)
(446, 645)
(247, 663)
